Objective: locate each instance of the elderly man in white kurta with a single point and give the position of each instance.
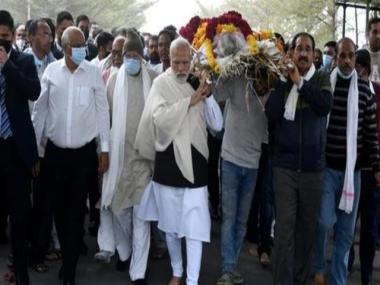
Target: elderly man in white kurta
(129, 173)
(172, 133)
(106, 234)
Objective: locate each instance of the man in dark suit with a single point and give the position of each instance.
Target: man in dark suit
(18, 149)
(64, 20)
(83, 23)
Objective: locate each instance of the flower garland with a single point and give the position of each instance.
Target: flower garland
(202, 32)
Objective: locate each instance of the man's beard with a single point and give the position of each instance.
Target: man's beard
(181, 78)
(154, 58)
(375, 46)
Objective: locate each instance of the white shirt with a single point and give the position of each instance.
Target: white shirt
(159, 68)
(213, 114)
(95, 61)
(72, 108)
(41, 65)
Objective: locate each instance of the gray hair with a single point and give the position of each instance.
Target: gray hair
(65, 39)
(178, 43)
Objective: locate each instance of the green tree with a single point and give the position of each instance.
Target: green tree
(288, 18)
(317, 17)
(108, 14)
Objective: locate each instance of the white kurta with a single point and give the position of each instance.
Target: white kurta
(182, 211)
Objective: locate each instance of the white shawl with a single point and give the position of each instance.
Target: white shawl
(117, 140)
(291, 102)
(168, 118)
(348, 193)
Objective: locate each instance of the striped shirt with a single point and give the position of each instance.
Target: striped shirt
(367, 127)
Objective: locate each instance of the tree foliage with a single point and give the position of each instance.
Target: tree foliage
(108, 14)
(286, 17)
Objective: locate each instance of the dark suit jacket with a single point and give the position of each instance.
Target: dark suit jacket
(92, 51)
(22, 84)
(56, 52)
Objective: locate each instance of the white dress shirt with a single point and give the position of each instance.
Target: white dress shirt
(95, 61)
(213, 114)
(72, 108)
(158, 68)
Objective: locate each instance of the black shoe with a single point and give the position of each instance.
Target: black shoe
(139, 282)
(122, 266)
(22, 280)
(93, 229)
(60, 273)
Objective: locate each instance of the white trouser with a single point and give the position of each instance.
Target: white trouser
(194, 257)
(127, 233)
(115, 232)
(140, 246)
(106, 239)
(122, 226)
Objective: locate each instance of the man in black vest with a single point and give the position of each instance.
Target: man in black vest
(18, 150)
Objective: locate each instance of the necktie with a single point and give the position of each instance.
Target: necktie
(5, 129)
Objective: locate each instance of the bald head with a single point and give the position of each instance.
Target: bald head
(74, 46)
(72, 36)
(117, 51)
(346, 55)
(118, 41)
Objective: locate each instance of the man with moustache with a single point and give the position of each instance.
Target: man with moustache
(352, 128)
(297, 112)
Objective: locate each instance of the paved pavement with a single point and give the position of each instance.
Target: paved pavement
(91, 273)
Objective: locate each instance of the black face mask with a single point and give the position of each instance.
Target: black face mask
(7, 45)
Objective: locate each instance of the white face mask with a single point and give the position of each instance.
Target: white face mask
(345, 76)
(20, 43)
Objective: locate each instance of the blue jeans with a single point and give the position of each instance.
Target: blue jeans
(238, 185)
(343, 223)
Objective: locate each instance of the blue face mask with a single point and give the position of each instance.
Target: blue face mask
(345, 76)
(327, 61)
(78, 54)
(132, 66)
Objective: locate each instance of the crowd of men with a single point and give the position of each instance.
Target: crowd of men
(120, 122)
